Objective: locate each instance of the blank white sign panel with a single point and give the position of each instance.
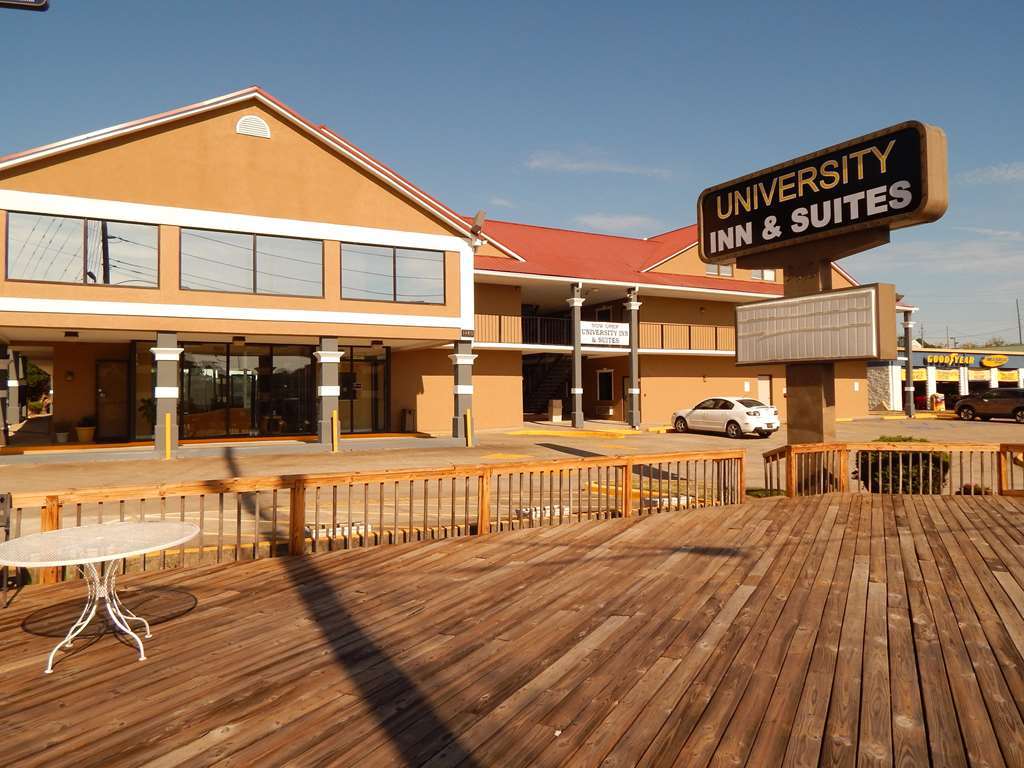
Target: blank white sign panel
(827, 326)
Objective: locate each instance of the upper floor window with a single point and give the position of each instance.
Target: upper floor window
(382, 273)
(763, 274)
(721, 270)
(245, 263)
(61, 249)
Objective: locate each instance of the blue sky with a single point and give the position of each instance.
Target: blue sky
(601, 116)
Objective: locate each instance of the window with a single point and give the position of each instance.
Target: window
(720, 270)
(239, 262)
(603, 314)
(604, 386)
(763, 274)
(706, 405)
(59, 249)
(382, 273)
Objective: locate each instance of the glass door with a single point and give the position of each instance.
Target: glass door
(204, 390)
(250, 368)
(362, 405)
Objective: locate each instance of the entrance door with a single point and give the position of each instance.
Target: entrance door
(111, 400)
(363, 379)
(764, 389)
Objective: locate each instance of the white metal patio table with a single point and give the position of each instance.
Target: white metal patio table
(91, 547)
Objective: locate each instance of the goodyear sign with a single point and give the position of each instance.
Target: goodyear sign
(994, 361)
(950, 360)
(893, 178)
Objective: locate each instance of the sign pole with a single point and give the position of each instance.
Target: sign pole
(810, 387)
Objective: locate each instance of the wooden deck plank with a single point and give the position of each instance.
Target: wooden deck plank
(846, 629)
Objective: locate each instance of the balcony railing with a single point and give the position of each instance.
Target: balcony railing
(514, 329)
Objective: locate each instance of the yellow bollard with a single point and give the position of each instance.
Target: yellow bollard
(334, 431)
(167, 435)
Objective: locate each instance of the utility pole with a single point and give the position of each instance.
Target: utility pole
(947, 337)
(1020, 335)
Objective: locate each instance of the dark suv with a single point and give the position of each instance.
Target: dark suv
(1006, 403)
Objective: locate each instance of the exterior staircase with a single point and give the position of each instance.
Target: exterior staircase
(546, 377)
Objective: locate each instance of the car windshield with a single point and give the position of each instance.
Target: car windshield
(748, 403)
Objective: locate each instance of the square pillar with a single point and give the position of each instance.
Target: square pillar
(964, 386)
(166, 354)
(908, 347)
(13, 374)
(632, 306)
(993, 378)
(462, 374)
(328, 390)
(575, 302)
(4, 394)
(929, 384)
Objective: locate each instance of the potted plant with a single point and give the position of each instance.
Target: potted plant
(61, 431)
(85, 430)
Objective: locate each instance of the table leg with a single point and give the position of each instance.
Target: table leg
(113, 609)
(101, 586)
(88, 612)
(123, 611)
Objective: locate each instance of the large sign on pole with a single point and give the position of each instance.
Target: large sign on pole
(892, 178)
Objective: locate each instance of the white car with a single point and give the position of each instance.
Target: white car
(735, 416)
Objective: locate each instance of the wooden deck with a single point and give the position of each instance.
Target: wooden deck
(835, 630)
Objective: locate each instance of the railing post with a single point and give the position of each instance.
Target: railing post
(483, 512)
(790, 472)
(627, 489)
(844, 469)
(741, 481)
(297, 517)
(50, 521)
(1003, 482)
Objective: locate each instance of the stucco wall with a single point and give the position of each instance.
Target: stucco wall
(77, 398)
(422, 380)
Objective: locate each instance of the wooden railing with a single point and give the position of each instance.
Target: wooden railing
(680, 336)
(513, 329)
(969, 469)
(252, 518)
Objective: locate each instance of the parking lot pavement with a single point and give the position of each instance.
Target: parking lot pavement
(532, 441)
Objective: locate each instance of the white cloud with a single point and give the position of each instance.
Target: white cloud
(986, 256)
(587, 162)
(998, 234)
(617, 222)
(501, 202)
(1004, 173)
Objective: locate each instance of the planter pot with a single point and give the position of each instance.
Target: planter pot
(61, 437)
(85, 434)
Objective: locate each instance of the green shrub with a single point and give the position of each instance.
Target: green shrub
(884, 471)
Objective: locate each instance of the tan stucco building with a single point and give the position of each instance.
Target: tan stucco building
(231, 270)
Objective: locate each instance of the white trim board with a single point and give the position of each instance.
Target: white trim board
(526, 276)
(211, 312)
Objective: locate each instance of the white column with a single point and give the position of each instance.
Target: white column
(895, 386)
(993, 378)
(965, 387)
(929, 387)
(1020, 377)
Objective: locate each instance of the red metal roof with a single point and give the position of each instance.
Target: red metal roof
(614, 258)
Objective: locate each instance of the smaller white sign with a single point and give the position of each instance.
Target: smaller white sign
(594, 334)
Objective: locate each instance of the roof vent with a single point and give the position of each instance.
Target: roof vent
(252, 125)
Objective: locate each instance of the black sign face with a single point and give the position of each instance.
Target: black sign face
(25, 5)
(879, 180)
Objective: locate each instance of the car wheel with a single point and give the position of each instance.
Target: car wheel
(680, 424)
(732, 429)
(966, 413)
(765, 435)
(1018, 415)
